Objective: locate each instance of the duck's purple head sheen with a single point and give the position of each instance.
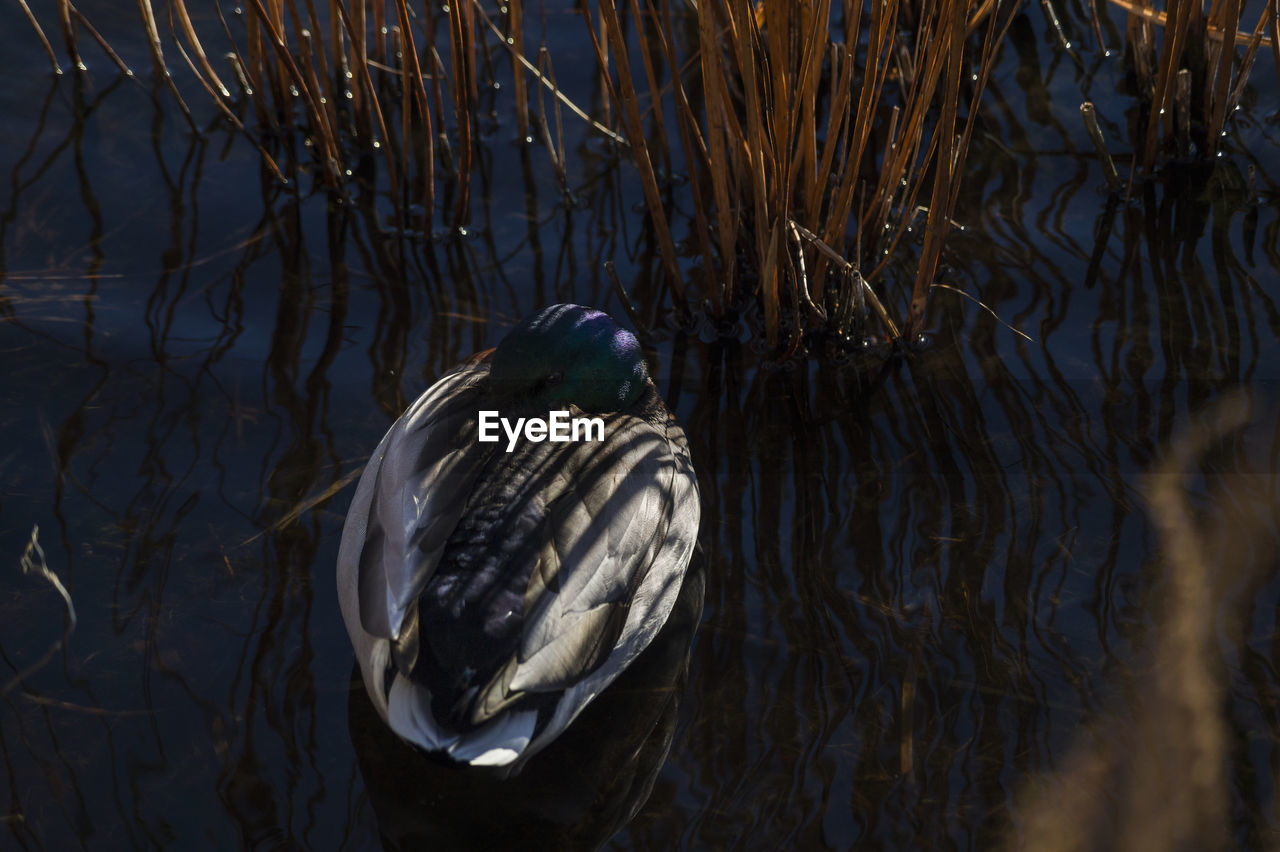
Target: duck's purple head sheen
(570, 354)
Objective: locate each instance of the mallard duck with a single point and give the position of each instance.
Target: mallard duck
(492, 588)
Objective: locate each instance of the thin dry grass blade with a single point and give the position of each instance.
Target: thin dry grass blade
(601, 44)
(1222, 81)
(252, 65)
(462, 56)
(1096, 24)
(35, 25)
(371, 98)
(325, 124)
(852, 271)
(837, 139)
(102, 42)
(627, 305)
(1160, 117)
(635, 134)
(349, 47)
(1052, 15)
(437, 89)
(330, 156)
(803, 177)
(157, 59)
(408, 154)
(939, 222)
(884, 19)
(189, 31)
(231, 116)
(715, 91)
(903, 155)
(757, 150)
(69, 34)
(555, 151)
(982, 305)
(274, 69)
(1250, 54)
(533, 69)
(414, 82)
(660, 124)
(769, 286)
(515, 41)
(319, 74)
(696, 159)
(1274, 24)
(1090, 117)
(1160, 18)
(982, 13)
(986, 64)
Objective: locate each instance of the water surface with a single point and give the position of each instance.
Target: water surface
(927, 575)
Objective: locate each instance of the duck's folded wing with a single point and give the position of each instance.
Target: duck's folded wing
(621, 518)
(397, 526)
(624, 528)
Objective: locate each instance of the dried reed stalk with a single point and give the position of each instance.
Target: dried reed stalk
(69, 34)
(634, 133)
(44, 41)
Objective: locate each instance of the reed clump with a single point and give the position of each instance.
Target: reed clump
(366, 80)
(1194, 80)
(816, 135)
(1188, 68)
(812, 135)
(353, 81)
(1153, 775)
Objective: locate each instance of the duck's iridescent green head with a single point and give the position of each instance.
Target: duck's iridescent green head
(570, 354)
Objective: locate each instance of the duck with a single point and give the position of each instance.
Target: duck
(493, 585)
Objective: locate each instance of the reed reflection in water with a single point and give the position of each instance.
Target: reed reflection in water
(928, 575)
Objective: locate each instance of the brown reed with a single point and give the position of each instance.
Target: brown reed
(1193, 79)
(813, 132)
(780, 112)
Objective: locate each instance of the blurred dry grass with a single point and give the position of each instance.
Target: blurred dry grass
(1153, 775)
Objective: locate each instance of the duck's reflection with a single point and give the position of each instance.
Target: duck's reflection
(576, 794)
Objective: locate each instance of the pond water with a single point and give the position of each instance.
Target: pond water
(929, 577)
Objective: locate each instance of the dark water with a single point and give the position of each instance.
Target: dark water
(925, 576)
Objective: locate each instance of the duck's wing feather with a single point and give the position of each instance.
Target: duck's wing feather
(660, 541)
(428, 463)
(408, 500)
(622, 527)
(608, 528)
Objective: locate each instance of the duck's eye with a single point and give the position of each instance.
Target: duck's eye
(554, 379)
